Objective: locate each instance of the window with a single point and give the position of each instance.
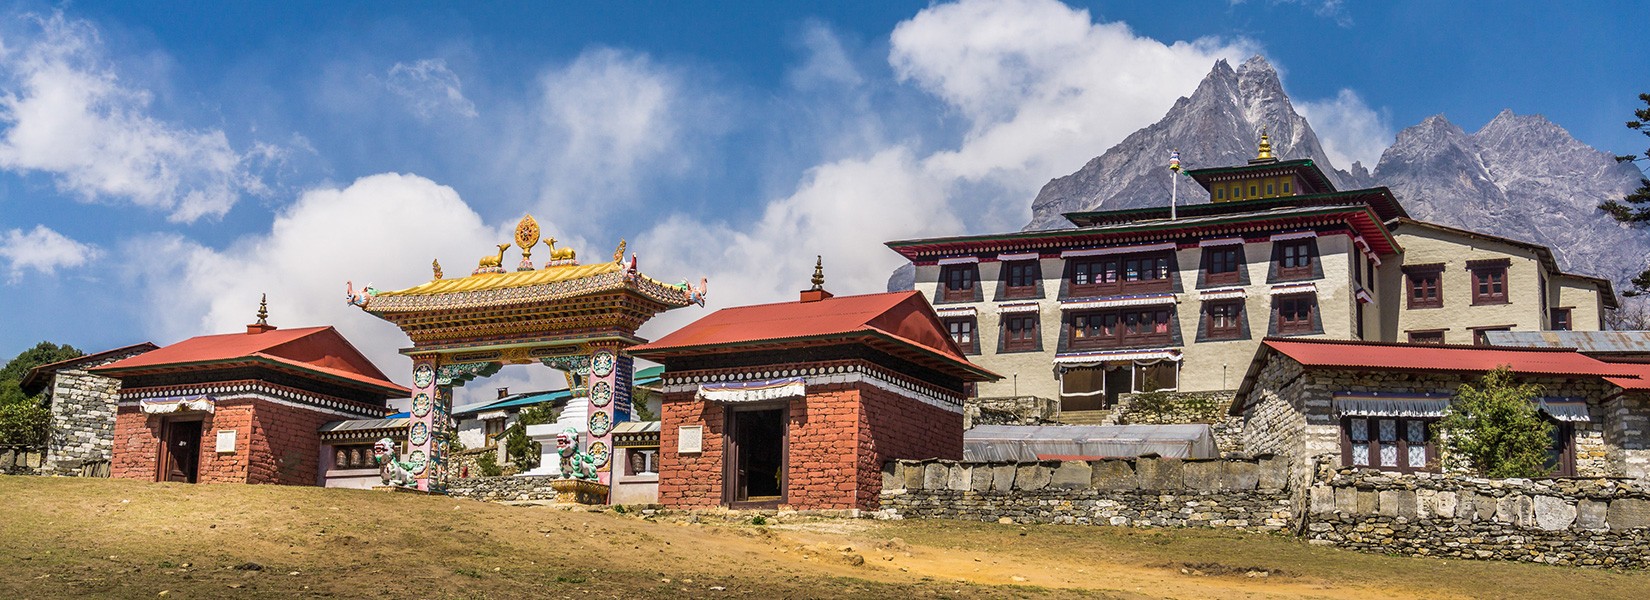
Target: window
(1021, 279)
(1561, 454)
(492, 428)
(1119, 328)
(1131, 274)
(1478, 337)
(958, 281)
(1388, 443)
(1295, 314)
(1162, 375)
(353, 457)
(1220, 264)
(1427, 337)
(1424, 288)
(1489, 285)
(1020, 333)
(1286, 187)
(962, 332)
(1253, 192)
(1220, 193)
(1225, 320)
(1294, 258)
(640, 461)
(1268, 189)
(1561, 319)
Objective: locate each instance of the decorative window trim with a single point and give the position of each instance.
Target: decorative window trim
(1006, 345)
(1400, 443)
(752, 391)
(1020, 256)
(1025, 307)
(1120, 301)
(1206, 331)
(1220, 242)
(1489, 263)
(829, 375)
(943, 293)
(973, 346)
(1490, 299)
(960, 311)
(1293, 235)
(1005, 277)
(1410, 334)
(958, 260)
(1293, 288)
(1314, 315)
(1227, 293)
(1090, 359)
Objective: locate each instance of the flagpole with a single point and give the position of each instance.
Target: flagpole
(1174, 182)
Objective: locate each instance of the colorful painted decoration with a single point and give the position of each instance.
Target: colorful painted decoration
(600, 424)
(574, 464)
(423, 376)
(527, 233)
(419, 435)
(392, 471)
(416, 461)
(421, 405)
(601, 393)
(598, 454)
(601, 363)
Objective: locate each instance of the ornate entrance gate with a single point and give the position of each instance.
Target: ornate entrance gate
(567, 315)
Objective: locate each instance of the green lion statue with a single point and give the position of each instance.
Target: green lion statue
(575, 464)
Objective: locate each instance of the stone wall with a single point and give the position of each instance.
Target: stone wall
(1183, 408)
(1009, 410)
(21, 460)
(503, 489)
(1249, 494)
(82, 417)
(1592, 522)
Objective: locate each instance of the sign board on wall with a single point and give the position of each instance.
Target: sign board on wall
(690, 439)
(226, 441)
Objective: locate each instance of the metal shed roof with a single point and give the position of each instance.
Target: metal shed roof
(1022, 443)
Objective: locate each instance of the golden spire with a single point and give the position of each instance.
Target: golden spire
(435, 265)
(819, 272)
(1265, 147)
(263, 309)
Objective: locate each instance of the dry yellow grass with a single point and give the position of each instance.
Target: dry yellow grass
(103, 538)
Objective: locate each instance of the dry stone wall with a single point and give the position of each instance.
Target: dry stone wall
(1009, 410)
(1185, 408)
(503, 489)
(1146, 492)
(1591, 521)
(21, 460)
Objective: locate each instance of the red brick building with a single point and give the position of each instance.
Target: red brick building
(801, 403)
(241, 407)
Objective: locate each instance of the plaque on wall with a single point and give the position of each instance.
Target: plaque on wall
(690, 439)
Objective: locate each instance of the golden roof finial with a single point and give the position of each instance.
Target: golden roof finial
(263, 309)
(435, 265)
(618, 255)
(819, 272)
(1265, 146)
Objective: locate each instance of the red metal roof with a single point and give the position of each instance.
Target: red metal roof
(318, 350)
(901, 318)
(1432, 357)
(1641, 382)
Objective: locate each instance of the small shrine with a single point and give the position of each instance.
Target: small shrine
(567, 314)
(800, 404)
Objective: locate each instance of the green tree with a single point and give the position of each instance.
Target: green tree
(1494, 429)
(1634, 208)
(23, 420)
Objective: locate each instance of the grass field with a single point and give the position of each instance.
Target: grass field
(103, 538)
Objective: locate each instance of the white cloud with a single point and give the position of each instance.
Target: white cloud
(1349, 129)
(42, 250)
(430, 88)
(65, 112)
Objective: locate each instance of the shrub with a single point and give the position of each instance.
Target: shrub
(487, 464)
(24, 424)
(1494, 429)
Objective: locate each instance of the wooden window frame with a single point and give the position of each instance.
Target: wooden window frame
(1480, 279)
(1079, 326)
(962, 290)
(1415, 336)
(1303, 259)
(1116, 268)
(1297, 326)
(1026, 338)
(1568, 319)
(1026, 273)
(1417, 280)
(1214, 331)
(1215, 256)
(972, 346)
(1478, 337)
(1402, 443)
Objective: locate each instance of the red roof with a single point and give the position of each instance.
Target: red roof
(1433, 357)
(1641, 382)
(35, 380)
(314, 350)
(900, 322)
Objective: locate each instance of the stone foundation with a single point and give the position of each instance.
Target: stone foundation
(504, 489)
(21, 460)
(1009, 410)
(1186, 408)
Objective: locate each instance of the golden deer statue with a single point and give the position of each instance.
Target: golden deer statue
(559, 254)
(491, 262)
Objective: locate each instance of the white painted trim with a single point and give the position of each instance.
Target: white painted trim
(965, 311)
(1294, 235)
(1095, 358)
(1293, 288)
(1151, 300)
(1220, 242)
(1018, 308)
(1020, 256)
(1222, 293)
(1118, 250)
(829, 376)
(959, 260)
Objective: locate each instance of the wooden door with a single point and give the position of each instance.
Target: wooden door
(180, 451)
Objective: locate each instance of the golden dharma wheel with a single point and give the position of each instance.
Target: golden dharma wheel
(527, 233)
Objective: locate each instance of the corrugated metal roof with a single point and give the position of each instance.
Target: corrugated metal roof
(1027, 443)
(636, 427)
(1589, 342)
(515, 401)
(1429, 357)
(365, 425)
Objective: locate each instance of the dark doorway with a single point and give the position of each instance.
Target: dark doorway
(181, 451)
(756, 457)
(1118, 380)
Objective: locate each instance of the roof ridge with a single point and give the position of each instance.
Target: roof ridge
(1330, 342)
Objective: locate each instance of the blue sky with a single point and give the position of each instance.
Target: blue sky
(161, 164)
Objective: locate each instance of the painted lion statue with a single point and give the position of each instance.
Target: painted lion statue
(575, 464)
(391, 471)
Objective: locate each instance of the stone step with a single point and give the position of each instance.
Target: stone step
(1085, 417)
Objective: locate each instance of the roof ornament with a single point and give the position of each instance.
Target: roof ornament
(435, 265)
(618, 255)
(263, 309)
(560, 256)
(819, 272)
(491, 264)
(364, 296)
(527, 236)
(1265, 153)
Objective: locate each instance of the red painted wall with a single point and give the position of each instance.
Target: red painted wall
(274, 443)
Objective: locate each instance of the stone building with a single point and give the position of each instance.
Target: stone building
(1178, 298)
(82, 430)
(241, 407)
(800, 403)
(1374, 405)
